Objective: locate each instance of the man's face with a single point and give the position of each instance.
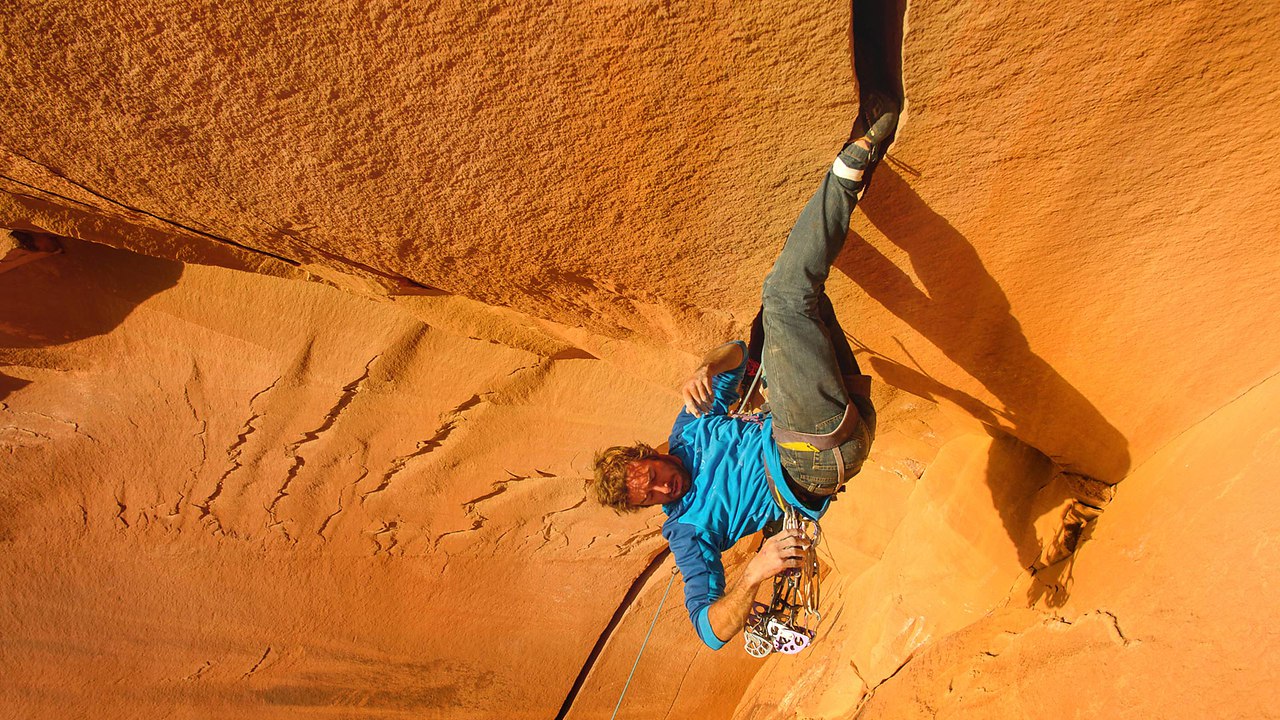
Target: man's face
(656, 480)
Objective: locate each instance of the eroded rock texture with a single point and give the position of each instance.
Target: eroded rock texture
(312, 314)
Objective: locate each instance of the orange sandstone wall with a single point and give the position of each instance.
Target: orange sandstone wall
(1169, 610)
(227, 495)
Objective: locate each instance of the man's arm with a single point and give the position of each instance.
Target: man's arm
(697, 391)
(728, 615)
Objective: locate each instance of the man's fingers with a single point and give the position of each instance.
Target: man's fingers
(693, 397)
(690, 403)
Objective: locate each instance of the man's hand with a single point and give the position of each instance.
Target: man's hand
(697, 391)
(728, 615)
(785, 550)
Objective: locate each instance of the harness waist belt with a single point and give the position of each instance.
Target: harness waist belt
(854, 385)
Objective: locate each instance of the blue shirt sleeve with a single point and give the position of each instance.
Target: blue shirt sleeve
(699, 563)
(724, 390)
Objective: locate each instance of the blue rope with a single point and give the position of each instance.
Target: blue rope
(661, 602)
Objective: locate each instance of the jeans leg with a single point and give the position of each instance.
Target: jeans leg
(803, 352)
(839, 343)
(805, 385)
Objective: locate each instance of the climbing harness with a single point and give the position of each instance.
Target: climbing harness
(810, 442)
(653, 622)
(789, 623)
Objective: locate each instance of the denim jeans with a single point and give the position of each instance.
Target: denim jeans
(806, 355)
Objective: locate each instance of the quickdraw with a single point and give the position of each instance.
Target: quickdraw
(789, 623)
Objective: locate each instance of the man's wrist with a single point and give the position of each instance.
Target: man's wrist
(751, 578)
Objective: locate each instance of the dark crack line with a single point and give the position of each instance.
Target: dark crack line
(574, 506)
(140, 211)
(427, 446)
(451, 422)
(324, 525)
(364, 473)
(75, 426)
(635, 541)
(1115, 627)
(234, 452)
(199, 672)
(46, 192)
(258, 664)
(549, 528)
(390, 528)
(871, 691)
(424, 447)
(499, 487)
(26, 431)
(348, 262)
(368, 268)
(497, 542)
(202, 436)
(697, 648)
(628, 599)
(475, 525)
(348, 395)
(120, 510)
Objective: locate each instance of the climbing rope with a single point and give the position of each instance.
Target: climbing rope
(653, 622)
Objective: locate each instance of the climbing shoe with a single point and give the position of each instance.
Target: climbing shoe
(877, 122)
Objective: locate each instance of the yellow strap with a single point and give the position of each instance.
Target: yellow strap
(773, 486)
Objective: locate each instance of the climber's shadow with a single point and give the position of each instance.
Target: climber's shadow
(83, 291)
(961, 309)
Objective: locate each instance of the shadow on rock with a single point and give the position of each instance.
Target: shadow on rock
(83, 291)
(963, 311)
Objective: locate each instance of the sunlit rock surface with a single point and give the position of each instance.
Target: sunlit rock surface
(312, 315)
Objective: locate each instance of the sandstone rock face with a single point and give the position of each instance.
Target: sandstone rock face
(311, 316)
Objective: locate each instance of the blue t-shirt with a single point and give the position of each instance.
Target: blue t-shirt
(729, 497)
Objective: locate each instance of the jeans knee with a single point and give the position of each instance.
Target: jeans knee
(784, 294)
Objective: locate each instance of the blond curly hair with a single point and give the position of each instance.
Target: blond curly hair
(610, 481)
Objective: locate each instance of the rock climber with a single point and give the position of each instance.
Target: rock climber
(717, 476)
